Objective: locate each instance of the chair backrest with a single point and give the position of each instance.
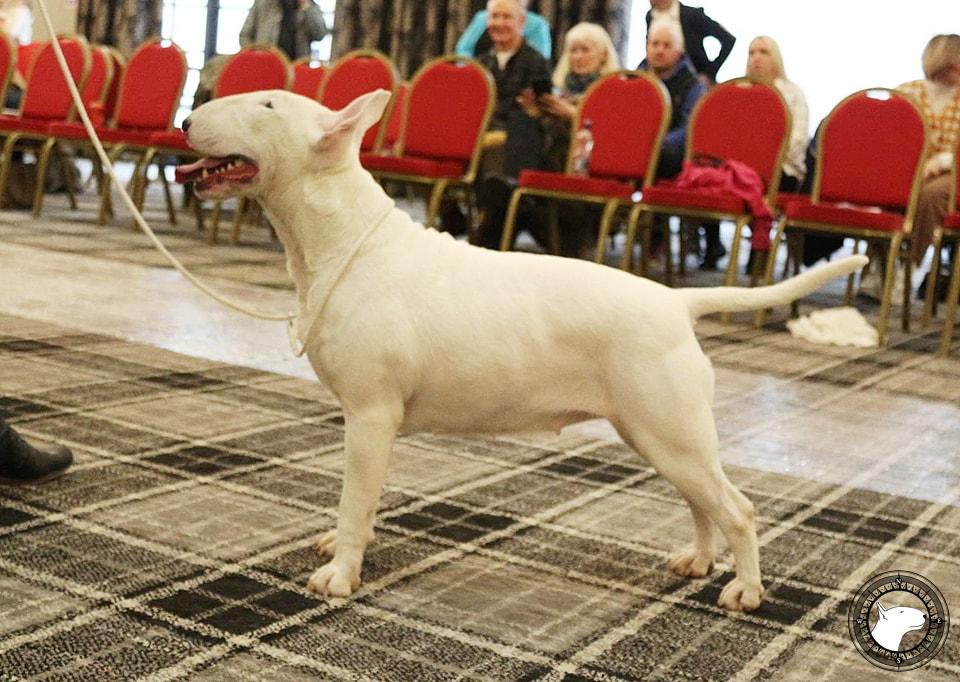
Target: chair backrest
(447, 110)
(395, 121)
(8, 63)
(355, 74)
(870, 151)
(151, 86)
(25, 56)
(307, 77)
(629, 112)
(112, 95)
(253, 68)
(100, 77)
(743, 120)
(47, 96)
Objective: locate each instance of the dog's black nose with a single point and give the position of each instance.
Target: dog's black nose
(185, 126)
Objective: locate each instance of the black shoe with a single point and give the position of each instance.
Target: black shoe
(943, 285)
(20, 462)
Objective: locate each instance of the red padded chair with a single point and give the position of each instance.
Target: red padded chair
(394, 125)
(865, 186)
(25, 56)
(307, 77)
(8, 63)
(255, 67)
(446, 112)
(948, 233)
(357, 73)
(629, 113)
(149, 93)
(46, 100)
(742, 120)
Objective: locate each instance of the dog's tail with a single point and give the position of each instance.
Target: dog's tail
(706, 300)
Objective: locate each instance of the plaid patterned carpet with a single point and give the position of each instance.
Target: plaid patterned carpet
(179, 544)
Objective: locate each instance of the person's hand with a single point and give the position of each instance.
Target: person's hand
(558, 106)
(528, 102)
(935, 166)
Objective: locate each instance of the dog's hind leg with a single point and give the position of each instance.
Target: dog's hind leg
(686, 455)
(369, 440)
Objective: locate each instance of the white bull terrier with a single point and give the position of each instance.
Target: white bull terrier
(894, 623)
(412, 330)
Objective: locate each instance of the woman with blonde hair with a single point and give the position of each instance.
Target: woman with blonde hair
(766, 63)
(938, 95)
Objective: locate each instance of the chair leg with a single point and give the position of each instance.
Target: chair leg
(929, 298)
(730, 279)
(950, 314)
(609, 210)
(238, 220)
(509, 223)
(214, 224)
(67, 174)
(433, 207)
(760, 316)
(796, 249)
(6, 161)
(893, 252)
(553, 228)
(106, 206)
(848, 294)
(907, 284)
(668, 253)
(167, 196)
(633, 220)
(43, 159)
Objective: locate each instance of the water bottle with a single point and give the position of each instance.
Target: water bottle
(584, 147)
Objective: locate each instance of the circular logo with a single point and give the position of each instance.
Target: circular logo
(898, 620)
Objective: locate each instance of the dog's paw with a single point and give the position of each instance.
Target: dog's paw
(691, 564)
(334, 580)
(739, 596)
(327, 544)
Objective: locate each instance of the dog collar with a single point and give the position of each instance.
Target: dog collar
(293, 328)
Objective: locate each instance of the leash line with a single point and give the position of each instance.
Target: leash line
(138, 217)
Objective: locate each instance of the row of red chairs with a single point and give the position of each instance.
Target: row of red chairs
(865, 187)
(871, 150)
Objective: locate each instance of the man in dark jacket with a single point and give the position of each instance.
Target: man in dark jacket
(696, 26)
(515, 65)
(666, 59)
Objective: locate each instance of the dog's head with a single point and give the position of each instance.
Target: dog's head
(901, 617)
(258, 140)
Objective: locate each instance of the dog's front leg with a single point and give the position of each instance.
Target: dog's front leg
(369, 440)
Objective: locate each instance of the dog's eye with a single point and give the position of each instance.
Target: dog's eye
(268, 104)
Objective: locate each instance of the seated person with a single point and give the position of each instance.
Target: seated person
(666, 59)
(765, 63)
(512, 62)
(476, 39)
(538, 136)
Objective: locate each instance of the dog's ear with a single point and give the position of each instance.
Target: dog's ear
(882, 611)
(350, 123)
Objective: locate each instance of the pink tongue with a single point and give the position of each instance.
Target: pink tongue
(183, 173)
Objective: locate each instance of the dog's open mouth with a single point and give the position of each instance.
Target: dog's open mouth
(212, 172)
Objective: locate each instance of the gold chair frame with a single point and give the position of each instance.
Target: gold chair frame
(610, 205)
(892, 242)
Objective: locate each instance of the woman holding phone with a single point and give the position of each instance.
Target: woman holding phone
(538, 136)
